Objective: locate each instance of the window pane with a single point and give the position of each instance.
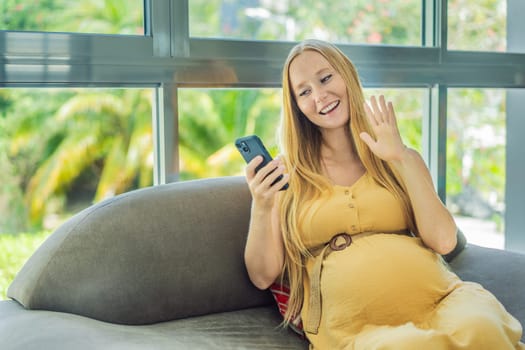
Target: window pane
(64, 149)
(476, 138)
(211, 119)
(86, 16)
(477, 25)
(394, 22)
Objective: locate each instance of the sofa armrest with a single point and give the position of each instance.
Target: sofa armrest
(146, 256)
(460, 245)
(501, 272)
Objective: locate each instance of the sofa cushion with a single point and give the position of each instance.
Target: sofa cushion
(150, 255)
(254, 328)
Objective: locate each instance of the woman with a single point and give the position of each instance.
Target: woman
(359, 232)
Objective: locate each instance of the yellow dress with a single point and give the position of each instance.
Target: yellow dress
(388, 291)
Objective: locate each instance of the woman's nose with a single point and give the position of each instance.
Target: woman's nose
(320, 95)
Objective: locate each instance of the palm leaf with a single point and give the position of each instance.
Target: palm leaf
(58, 171)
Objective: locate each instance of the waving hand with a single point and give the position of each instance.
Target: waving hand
(388, 144)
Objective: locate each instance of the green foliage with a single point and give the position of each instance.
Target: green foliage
(95, 16)
(23, 124)
(14, 252)
(477, 25)
(210, 121)
(102, 16)
(476, 143)
(29, 15)
(105, 134)
(12, 210)
(391, 22)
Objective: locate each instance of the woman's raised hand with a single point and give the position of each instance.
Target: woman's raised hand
(388, 144)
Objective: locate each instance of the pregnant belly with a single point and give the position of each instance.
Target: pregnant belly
(383, 279)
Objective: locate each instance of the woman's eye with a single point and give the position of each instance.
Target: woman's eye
(326, 78)
(304, 92)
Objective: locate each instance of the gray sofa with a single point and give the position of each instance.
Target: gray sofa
(162, 268)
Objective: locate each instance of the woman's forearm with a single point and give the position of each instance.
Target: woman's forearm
(436, 225)
(264, 252)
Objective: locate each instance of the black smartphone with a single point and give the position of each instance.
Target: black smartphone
(252, 146)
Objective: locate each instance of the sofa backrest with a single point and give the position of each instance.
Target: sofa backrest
(146, 256)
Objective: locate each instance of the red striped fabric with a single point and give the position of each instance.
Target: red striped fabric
(281, 294)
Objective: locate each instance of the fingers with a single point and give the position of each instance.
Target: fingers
(367, 139)
(370, 114)
(391, 114)
(265, 178)
(268, 177)
(252, 165)
(374, 112)
(380, 111)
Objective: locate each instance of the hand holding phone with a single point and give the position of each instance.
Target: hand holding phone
(251, 147)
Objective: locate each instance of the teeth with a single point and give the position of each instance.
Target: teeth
(329, 107)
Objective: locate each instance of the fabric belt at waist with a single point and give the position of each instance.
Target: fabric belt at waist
(338, 242)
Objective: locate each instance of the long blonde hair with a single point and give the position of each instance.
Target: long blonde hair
(301, 146)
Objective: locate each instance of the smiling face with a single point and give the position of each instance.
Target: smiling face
(320, 91)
